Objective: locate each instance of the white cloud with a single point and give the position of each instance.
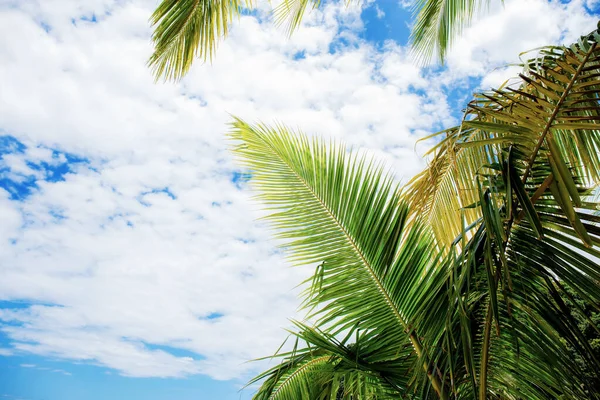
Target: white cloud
(117, 267)
(505, 31)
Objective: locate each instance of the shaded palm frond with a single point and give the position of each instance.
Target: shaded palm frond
(327, 368)
(508, 194)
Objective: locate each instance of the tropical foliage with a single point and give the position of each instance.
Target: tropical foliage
(188, 29)
(479, 279)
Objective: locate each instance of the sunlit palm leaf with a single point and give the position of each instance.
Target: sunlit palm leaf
(551, 119)
(291, 12)
(341, 211)
(523, 161)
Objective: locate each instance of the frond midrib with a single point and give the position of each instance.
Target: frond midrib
(346, 234)
(287, 380)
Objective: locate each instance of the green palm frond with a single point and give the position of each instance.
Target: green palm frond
(438, 23)
(454, 286)
(517, 321)
(342, 211)
(186, 30)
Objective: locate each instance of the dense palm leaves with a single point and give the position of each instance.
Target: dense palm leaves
(454, 286)
(188, 29)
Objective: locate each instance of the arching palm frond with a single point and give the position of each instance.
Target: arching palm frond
(438, 23)
(341, 211)
(186, 30)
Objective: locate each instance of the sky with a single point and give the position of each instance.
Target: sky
(132, 260)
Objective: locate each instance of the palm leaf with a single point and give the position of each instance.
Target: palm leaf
(186, 30)
(341, 211)
(551, 119)
(438, 23)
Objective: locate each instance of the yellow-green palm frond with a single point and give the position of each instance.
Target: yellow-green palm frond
(507, 193)
(550, 119)
(438, 23)
(188, 29)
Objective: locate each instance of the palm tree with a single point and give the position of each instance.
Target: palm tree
(188, 29)
(452, 286)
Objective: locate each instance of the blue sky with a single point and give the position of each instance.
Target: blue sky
(132, 260)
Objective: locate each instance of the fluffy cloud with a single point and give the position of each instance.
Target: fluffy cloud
(147, 246)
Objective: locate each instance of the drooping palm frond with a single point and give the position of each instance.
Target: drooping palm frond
(516, 321)
(341, 211)
(438, 23)
(186, 30)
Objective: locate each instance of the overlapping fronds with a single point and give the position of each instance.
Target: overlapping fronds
(438, 23)
(341, 211)
(454, 286)
(551, 119)
(186, 30)
(327, 368)
(508, 192)
(515, 323)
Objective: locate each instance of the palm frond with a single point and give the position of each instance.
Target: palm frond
(291, 12)
(188, 29)
(343, 212)
(438, 23)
